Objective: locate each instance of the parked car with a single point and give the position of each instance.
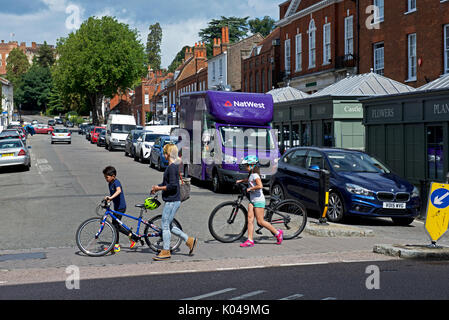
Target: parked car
(19, 130)
(118, 128)
(95, 133)
(89, 131)
(144, 144)
(82, 128)
(13, 152)
(51, 122)
(101, 142)
(69, 124)
(43, 129)
(61, 135)
(10, 134)
(157, 158)
(359, 184)
(131, 142)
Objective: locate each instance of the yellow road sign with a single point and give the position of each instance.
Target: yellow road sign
(437, 220)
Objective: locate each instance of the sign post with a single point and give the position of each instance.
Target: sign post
(437, 220)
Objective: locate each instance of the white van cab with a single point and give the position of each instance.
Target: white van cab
(157, 129)
(117, 129)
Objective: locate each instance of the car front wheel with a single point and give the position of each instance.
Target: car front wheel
(336, 209)
(277, 191)
(402, 221)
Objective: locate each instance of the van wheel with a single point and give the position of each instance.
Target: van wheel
(336, 209)
(216, 184)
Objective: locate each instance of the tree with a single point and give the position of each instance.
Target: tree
(177, 60)
(263, 26)
(98, 60)
(238, 30)
(16, 66)
(35, 88)
(153, 49)
(45, 56)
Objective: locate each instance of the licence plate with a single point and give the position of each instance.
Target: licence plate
(8, 155)
(394, 205)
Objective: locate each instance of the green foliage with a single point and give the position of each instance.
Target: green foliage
(35, 89)
(177, 60)
(97, 60)
(238, 30)
(45, 56)
(16, 66)
(153, 49)
(263, 26)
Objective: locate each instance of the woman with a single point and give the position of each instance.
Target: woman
(171, 195)
(256, 206)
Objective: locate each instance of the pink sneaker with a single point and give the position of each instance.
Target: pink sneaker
(247, 244)
(280, 236)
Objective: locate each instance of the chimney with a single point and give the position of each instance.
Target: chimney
(225, 39)
(33, 45)
(188, 54)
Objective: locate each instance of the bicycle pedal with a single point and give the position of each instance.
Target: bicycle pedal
(142, 243)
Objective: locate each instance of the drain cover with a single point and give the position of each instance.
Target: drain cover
(23, 256)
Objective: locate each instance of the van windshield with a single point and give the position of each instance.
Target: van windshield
(247, 138)
(122, 128)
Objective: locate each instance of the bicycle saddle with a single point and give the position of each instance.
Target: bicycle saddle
(140, 206)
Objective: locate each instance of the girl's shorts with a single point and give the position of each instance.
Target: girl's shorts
(259, 204)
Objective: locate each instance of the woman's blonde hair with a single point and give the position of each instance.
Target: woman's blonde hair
(172, 151)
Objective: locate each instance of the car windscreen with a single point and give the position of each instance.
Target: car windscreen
(57, 130)
(98, 130)
(152, 137)
(247, 138)
(136, 135)
(355, 162)
(122, 128)
(10, 144)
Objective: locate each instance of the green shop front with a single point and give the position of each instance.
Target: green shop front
(324, 121)
(410, 133)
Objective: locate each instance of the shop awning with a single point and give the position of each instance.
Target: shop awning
(438, 84)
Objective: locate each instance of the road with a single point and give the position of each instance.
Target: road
(42, 208)
(391, 280)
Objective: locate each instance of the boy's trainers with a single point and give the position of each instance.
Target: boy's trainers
(117, 248)
(247, 244)
(280, 236)
(132, 244)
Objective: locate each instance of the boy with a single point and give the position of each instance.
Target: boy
(118, 198)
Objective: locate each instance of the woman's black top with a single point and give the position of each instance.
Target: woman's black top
(171, 181)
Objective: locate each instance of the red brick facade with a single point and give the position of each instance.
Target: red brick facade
(7, 47)
(307, 19)
(427, 22)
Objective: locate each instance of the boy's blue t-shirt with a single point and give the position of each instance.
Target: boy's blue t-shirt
(119, 202)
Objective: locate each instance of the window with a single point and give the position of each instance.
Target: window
(349, 35)
(446, 48)
(379, 58)
(221, 67)
(412, 56)
(411, 5)
(298, 52)
(296, 158)
(287, 56)
(314, 158)
(379, 12)
(213, 70)
(312, 44)
(326, 43)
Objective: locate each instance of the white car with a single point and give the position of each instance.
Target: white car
(14, 153)
(144, 144)
(61, 135)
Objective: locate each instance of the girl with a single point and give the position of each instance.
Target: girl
(256, 206)
(171, 195)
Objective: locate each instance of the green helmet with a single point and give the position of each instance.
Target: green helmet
(152, 203)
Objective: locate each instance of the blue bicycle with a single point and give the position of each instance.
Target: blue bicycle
(97, 236)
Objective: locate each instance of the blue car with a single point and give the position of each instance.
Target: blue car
(157, 158)
(359, 184)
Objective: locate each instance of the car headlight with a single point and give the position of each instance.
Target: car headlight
(230, 159)
(415, 192)
(355, 189)
(114, 140)
(147, 146)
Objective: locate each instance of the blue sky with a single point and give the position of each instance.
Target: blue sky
(181, 20)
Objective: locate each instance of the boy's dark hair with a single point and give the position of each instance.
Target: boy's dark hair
(109, 171)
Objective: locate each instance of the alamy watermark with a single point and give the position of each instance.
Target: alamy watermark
(373, 280)
(72, 281)
(73, 20)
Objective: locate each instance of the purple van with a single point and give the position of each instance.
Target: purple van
(220, 129)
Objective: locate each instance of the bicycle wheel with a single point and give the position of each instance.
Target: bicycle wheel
(92, 245)
(290, 216)
(158, 243)
(228, 222)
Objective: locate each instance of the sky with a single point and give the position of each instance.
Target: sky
(181, 20)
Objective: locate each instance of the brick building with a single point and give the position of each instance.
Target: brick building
(225, 67)
(318, 42)
(407, 41)
(190, 76)
(6, 48)
(261, 70)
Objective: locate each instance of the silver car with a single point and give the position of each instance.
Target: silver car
(61, 135)
(14, 153)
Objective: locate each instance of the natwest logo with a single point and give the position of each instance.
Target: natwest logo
(245, 104)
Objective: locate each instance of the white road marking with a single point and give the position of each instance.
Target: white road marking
(211, 294)
(42, 161)
(293, 297)
(249, 294)
(329, 298)
(45, 168)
